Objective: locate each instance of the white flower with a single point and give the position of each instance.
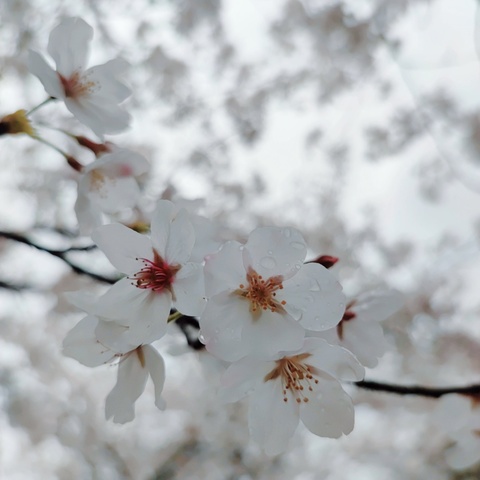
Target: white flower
(359, 330)
(459, 417)
(135, 364)
(261, 297)
(158, 273)
(298, 386)
(108, 185)
(92, 95)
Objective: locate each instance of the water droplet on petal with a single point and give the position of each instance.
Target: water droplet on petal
(297, 245)
(270, 252)
(287, 232)
(201, 338)
(268, 262)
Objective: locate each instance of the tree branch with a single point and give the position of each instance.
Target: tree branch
(432, 392)
(61, 254)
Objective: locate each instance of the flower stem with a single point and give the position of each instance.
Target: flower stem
(174, 316)
(40, 105)
(51, 145)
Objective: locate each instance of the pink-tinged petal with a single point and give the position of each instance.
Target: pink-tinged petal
(99, 114)
(112, 335)
(221, 326)
(241, 377)
(314, 297)
(121, 163)
(334, 360)
(105, 77)
(123, 247)
(181, 239)
(272, 333)
(112, 194)
(156, 367)
(224, 270)
(377, 305)
(46, 74)
(331, 413)
(272, 421)
(89, 217)
(273, 251)
(160, 225)
(131, 380)
(82, 344)
(189, 289)
(145, 312)
(365, 340)
(69, 44)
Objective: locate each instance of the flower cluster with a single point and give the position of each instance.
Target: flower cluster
(281, 326)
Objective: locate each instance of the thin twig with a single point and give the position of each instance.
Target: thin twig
(61, 254)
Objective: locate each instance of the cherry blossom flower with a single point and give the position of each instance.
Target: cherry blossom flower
(459, 418)
(360, 331)
(92, 95)
(158, 271)
(108, 185)
(261, 297)
(94, 342)
(301, 385)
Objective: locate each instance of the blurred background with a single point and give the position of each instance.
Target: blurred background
(355, 121)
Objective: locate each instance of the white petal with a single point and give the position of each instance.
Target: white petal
(181, 239)
(465, 453)
(105, 77)
(221, 325)
(46, 74)
(123, 247)
(365, 340)
(272, 333)
(122, 162)
(160, 225)
(272, 421)
(69, 44)
(241, 377)
(82, 300)
(82, 344)
(113, 336)
(314, 296)
(273, 251)
(156, 367)
(131, 380)
(206, 234)
(112, 194)
(189, 289)
(329, 414)
(224, 270)
(334, 360)
(145, 312)
(99, 114)
(89, 217)
(378, 305)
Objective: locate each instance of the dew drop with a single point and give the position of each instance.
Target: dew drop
(297, 245)
(270, 252)
(268, 262)
(287, 232)
(201, 338)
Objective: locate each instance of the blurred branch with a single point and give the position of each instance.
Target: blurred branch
(432, 392)
(61, 254)
(16, 288)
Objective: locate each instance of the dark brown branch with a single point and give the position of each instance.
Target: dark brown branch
(432, 392)
(61, 254)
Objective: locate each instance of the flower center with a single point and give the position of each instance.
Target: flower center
(261, 293)
(76, 86)
(155, 275)
(296, 377)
